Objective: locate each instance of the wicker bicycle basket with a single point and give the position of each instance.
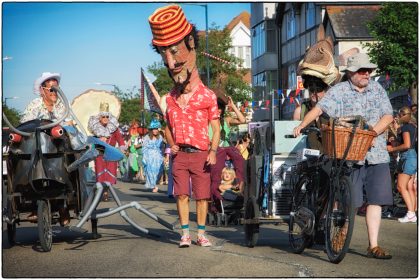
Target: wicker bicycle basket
(361, 142)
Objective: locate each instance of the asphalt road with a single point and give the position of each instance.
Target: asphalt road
(125, 252)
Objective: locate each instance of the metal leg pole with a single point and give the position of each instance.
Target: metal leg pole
(140, 208)
(98, 195)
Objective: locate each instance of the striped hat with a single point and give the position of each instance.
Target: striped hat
(169, 25)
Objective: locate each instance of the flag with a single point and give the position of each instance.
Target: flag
(299, 85)
(281, 96)
(298, 100)
(387, 83)
(147, 100)
(292, 97)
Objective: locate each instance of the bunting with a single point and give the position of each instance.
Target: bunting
(147, 100)
(293, 95)
(217, 58)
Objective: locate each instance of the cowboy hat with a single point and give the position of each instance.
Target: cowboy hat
(44, 77)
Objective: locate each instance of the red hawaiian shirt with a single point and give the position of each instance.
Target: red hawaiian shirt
(190, 124)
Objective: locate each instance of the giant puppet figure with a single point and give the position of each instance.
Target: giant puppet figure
(318, 72)
(191, 106)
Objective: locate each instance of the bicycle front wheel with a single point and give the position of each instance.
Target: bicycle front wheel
(339, 220)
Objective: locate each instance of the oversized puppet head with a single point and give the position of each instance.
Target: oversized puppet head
(175, 39)
(319, 60)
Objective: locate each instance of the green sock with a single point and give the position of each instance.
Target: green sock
(201, 229)
(185, 229)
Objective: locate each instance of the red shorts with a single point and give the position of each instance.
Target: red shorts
(186, 165)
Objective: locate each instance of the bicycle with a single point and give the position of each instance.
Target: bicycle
(328, 209)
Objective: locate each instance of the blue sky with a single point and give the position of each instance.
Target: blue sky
(85, 42)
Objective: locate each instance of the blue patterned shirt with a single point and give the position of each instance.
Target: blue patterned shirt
(372, 104)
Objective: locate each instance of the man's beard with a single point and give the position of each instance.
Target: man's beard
(180, 87)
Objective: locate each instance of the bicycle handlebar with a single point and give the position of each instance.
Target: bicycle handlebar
(305, 131)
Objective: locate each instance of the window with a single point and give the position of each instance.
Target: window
(258, 83)
(241, 56)
(310, 15)
(272, 82)
(258, 40)
(271, 36)
(248, 57)
(291, 76)
(291, 24)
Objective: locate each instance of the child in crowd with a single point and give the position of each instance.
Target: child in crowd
(228, 181)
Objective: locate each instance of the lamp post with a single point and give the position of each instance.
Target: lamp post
(104, 84)
(5, 99)
(205, 6)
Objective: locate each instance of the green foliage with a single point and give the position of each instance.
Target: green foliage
(130, 105)
(163, 82)
(222, 74)
(395, 30)
(126, 95)
(12, 115)
(130, 109)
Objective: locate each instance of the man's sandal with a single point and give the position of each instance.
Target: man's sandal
(378, 253)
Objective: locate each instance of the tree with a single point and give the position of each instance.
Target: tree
(225, 75)
(222, 75)
(395, 50)
(163, 82)
(12, 115)
(130, 106)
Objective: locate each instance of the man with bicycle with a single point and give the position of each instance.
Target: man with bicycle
(359, 95)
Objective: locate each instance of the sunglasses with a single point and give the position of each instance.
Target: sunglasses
(106, 117)
(48, 89)
(364, 70)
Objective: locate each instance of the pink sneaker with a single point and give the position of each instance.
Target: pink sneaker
(408, 219)
(203, 241)
(185, 241)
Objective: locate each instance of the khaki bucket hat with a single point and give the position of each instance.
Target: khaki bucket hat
(358, 61)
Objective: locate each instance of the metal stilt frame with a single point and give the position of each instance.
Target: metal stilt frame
(93, 201)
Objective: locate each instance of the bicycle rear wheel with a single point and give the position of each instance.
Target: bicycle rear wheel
(302, 219)
(340, 220)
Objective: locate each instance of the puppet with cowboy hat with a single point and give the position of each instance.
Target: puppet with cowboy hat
(104, 126)
(47, 106)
